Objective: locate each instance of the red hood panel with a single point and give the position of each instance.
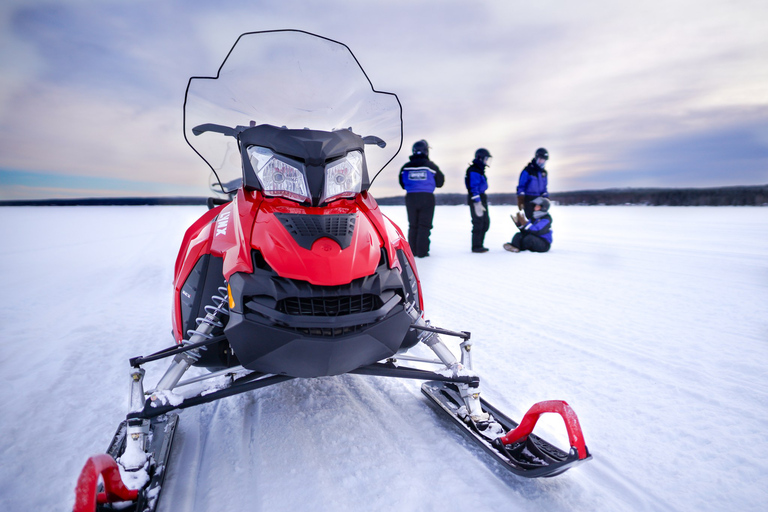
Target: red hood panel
(230, 233)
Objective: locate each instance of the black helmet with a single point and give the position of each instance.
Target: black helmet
(421, 147)
(482, 153)
(542, 153)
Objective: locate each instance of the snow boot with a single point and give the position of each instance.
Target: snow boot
(511, 248)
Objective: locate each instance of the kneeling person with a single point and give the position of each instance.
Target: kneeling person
(535, 235)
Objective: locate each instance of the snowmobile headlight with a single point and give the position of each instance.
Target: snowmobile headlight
(343, 177)
(279, 176)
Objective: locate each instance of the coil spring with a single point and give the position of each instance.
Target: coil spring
(220, 307)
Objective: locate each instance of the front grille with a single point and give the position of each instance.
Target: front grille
(328, 332)
(329, 306)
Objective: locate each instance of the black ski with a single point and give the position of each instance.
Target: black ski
(531, 457)
(161, 432)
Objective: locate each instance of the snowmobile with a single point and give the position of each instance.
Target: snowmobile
(294, 271)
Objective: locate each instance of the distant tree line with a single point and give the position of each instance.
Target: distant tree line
(717, 196)
(108, 201)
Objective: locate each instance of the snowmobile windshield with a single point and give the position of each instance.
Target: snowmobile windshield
(292, 79)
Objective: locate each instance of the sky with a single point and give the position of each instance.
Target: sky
(661, 93)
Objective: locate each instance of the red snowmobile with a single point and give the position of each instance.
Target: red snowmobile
(295, 272)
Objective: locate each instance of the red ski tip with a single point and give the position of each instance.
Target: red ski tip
(86, 495)
(560, 407)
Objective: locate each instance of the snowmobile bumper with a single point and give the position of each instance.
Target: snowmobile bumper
(290, 351)
(520, 451)
(310, 332)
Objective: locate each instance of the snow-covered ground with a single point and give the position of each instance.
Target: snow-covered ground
(651, 322)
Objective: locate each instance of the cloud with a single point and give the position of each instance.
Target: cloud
(62, 130)
(24, 184)
(96, 87)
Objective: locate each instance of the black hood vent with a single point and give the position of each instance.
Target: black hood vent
(305, 229)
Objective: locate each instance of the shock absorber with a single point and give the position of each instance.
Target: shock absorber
(471, 396)
(432, 340)
(211, 321)
(203, 331)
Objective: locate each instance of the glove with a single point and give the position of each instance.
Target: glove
(479, 209)
(519, 219)
(520, 202)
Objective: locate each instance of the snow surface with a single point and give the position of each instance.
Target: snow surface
(651, 322)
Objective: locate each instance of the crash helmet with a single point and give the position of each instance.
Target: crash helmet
(421, 147)
(483, 156)
(543, 202)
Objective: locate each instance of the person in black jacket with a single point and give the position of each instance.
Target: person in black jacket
(419, 177)
(536, 234)
(477, 184)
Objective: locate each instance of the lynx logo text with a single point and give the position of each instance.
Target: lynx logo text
(221, 224)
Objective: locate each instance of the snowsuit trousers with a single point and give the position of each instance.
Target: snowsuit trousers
(421, 210)
(529, 242)
(480, 225)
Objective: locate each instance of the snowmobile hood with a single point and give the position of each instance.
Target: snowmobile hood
(326, 246)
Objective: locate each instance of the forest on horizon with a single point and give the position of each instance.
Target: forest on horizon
(756, 195)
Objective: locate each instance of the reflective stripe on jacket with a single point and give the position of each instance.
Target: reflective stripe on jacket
(421, 175)
(540, 227)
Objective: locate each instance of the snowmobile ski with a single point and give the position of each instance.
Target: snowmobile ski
(112, 494)
(521, 452)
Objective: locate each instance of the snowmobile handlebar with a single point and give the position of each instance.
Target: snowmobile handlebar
(217, 128)
(234, 132)
(372, 139)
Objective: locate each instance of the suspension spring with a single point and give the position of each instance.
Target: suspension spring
(205, 326)
(211, 321)
(220, 307)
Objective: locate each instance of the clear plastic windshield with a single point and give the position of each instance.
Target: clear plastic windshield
(294, 79)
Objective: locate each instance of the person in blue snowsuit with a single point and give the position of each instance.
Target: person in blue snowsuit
(533, 182)
(536, 234)
(477, 183)
(419, 177)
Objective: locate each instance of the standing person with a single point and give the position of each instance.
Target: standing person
(477, 184)
(533, 182)
(419, 177)
(535, 235)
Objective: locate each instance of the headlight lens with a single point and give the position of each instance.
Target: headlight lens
(344, 177)
(279, 177)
